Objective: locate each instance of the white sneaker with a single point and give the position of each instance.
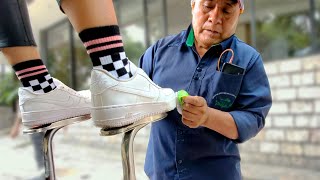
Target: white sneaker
(117, 103)
(58, 104)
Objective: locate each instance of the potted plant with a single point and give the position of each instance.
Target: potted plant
(8, 89)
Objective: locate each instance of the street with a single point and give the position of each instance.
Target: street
(74, 157)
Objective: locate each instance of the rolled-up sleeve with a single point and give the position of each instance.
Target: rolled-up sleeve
(253, 102)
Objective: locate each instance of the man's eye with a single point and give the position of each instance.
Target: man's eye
(207, 7)
(226, 11)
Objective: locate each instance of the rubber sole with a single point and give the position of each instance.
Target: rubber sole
(31, 119)
(118, 116)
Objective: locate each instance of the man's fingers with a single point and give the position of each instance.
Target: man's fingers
(189, 123)
(189, 115)
(194, 100)
(192, 109)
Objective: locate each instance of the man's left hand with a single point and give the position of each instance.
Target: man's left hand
(195, 111)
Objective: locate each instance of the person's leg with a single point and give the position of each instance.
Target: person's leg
(121, 93)
(37, 142)
(18, 45)
(97, 25)
(40, 95)
(20, 54)
(29, 68)
(84, 14)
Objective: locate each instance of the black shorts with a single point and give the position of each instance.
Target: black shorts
(59, 3)
(15, 28)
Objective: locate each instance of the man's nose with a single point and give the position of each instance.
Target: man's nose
(215, 15)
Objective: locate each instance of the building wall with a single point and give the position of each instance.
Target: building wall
(292, 133)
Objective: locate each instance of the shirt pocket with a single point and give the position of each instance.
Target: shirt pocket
(225, 89)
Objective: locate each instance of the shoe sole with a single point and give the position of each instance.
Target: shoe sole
(31, 119)
(119, 116)
(138, 124)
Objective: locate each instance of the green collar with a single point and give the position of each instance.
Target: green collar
(190, 39)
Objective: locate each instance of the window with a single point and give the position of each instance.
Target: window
(131, 19)
(58, 52)
(155, 20)
(284, 29)
(317, 26)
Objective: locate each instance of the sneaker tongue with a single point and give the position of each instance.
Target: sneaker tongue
(61, 84)
(57, 82)
(85, 93)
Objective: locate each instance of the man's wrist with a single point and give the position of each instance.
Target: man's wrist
(210, 117)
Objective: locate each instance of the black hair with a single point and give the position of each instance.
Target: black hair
(234, 1)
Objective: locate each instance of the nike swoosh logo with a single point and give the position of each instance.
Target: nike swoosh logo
(69, 102)
(144, 93)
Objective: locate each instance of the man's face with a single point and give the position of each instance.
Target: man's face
(214, 20)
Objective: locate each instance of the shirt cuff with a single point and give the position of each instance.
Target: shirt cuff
(247, 125)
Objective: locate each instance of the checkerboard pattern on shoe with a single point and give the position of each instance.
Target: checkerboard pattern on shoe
(34, 75)
(105, 47)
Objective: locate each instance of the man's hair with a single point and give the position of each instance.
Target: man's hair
(234, 1)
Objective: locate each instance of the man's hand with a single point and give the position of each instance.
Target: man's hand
(195, 111)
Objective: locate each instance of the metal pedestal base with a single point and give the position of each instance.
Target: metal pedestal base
(130, 132)
(50, 131)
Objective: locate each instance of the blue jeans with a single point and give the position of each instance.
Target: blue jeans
(37, 142)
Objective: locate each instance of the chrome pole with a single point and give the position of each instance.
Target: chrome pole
(130, 132)
(50, 131)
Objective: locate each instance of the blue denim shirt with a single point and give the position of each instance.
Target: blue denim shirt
(176, 151)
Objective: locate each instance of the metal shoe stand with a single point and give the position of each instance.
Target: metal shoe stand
(130, 132)
(50, 131)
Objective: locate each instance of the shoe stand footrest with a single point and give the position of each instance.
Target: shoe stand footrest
(119, 130)
(58, 124)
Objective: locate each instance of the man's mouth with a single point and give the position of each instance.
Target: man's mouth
(212, 31)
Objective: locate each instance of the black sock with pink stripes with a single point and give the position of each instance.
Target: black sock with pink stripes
(105, 47)
(34, 75)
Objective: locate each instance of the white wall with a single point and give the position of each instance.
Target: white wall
(291, 136)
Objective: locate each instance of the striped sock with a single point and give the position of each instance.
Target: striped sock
(105, 47)
(34, 75)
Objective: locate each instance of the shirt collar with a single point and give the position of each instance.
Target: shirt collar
(216, 48)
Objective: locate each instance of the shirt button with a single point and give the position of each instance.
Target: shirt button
(180, 161)
(196, 78)
(199, 69)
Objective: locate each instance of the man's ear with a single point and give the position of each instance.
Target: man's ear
(193, 3)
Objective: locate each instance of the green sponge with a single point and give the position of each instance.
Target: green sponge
(181, 95)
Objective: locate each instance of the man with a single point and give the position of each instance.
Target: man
(228, 103)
